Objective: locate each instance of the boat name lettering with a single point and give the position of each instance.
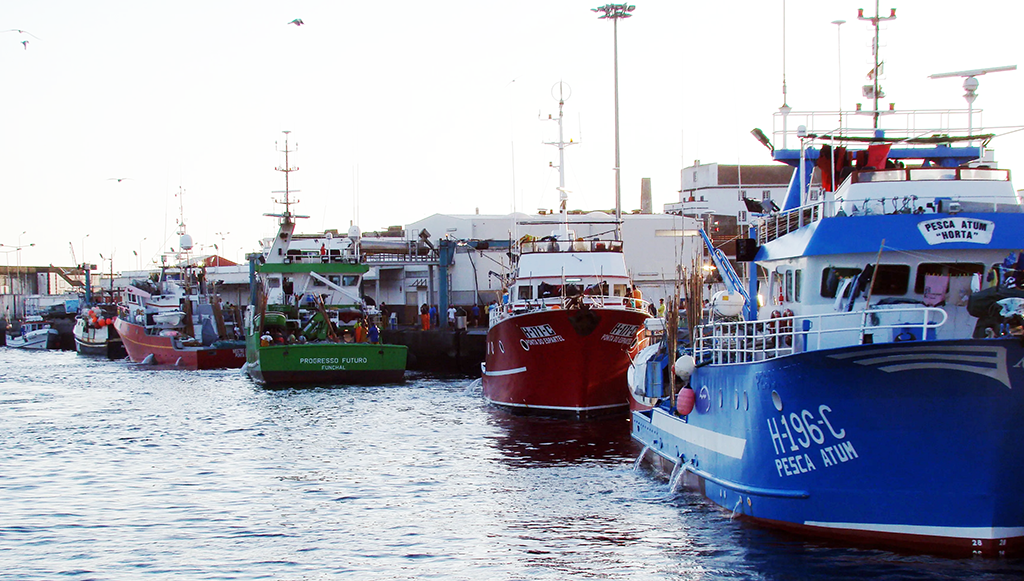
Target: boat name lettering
(624, 330)
(615, 339)
(809, 430)
(545, 340)
(318, 360)
(539, 331)
(956, 230)
(330, 360)
(1020, 363)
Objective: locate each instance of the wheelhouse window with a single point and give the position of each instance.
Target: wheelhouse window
(274, 282)
(349, 280)
(944, 269)
(832, 278)
(525, 293)
(891, 280)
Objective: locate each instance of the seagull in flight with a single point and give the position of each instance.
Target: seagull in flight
(119, 180)
(297, 22)
(24, 43)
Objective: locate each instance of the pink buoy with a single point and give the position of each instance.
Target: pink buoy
(685, 401)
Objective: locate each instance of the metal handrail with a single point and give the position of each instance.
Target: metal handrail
(731, 342)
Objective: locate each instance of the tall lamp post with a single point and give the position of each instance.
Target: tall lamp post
(839, 68)
(615, 12)
(17, 251)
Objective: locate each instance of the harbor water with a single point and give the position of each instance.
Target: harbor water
(114, 471)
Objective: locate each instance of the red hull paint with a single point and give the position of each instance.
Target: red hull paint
(538, 362)
(139, 345)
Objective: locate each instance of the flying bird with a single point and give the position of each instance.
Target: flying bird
(24, 43)
(119, 180)
(297, 22)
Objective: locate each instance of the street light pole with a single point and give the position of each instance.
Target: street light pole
(615, 12)
(17, 250)
(839, 68)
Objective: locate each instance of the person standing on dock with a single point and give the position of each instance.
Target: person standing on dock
(451, 317)
(476, 316)
(433, 316)
(425, 317)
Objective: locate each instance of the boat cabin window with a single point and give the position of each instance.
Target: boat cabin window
(318, 282)
(832, 278)
(792, 285)
(525, 293)
(944, 269)
(619, 290)
(274, 282)
(334, 279)
(891, 279)
(349, 280)
(546, 290)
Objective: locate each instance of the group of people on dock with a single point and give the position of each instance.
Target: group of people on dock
(429, 316)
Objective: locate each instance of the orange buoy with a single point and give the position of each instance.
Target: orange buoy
(685, 401)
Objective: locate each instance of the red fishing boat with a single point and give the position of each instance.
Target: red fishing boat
(177, 320)
(559, 344)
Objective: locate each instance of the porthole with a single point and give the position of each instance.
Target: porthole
(501, 347)
(736, 397)
(524, 344)
(777, 400)
(721, 398)
(746, 401)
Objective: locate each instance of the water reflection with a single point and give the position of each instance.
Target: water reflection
(536, 441)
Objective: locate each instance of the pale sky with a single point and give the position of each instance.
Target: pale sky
(403, 109)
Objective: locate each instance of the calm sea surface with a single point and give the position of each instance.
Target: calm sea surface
(112, 471)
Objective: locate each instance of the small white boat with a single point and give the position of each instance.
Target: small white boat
(45, 338)
(169, 319)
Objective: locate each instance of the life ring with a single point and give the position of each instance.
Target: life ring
(786, 327)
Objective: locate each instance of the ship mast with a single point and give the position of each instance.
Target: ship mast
(286, 217)
(876, 90)
(563, 195)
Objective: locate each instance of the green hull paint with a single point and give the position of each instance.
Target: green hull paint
(326, 362)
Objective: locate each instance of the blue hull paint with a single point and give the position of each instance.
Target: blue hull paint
(914, 445)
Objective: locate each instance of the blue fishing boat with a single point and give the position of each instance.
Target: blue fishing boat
(872, 389)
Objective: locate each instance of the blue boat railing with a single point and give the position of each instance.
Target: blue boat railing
(732, 342)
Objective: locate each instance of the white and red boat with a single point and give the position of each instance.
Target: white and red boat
(560, 344)
(175, 320)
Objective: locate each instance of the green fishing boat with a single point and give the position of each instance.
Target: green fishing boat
(308, 322)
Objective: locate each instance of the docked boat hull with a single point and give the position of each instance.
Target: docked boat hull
(141, 347)
(40, 339)
(327, 363)
(895, 445)
(100, 342)
(561, 362)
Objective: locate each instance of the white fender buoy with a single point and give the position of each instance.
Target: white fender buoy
(685, 366)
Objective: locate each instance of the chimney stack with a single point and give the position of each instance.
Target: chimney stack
(646, 206)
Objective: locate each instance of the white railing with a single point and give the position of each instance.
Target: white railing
(732, 342)
(501, 312)
(900, 124)
(774, 225)
(533, 246)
